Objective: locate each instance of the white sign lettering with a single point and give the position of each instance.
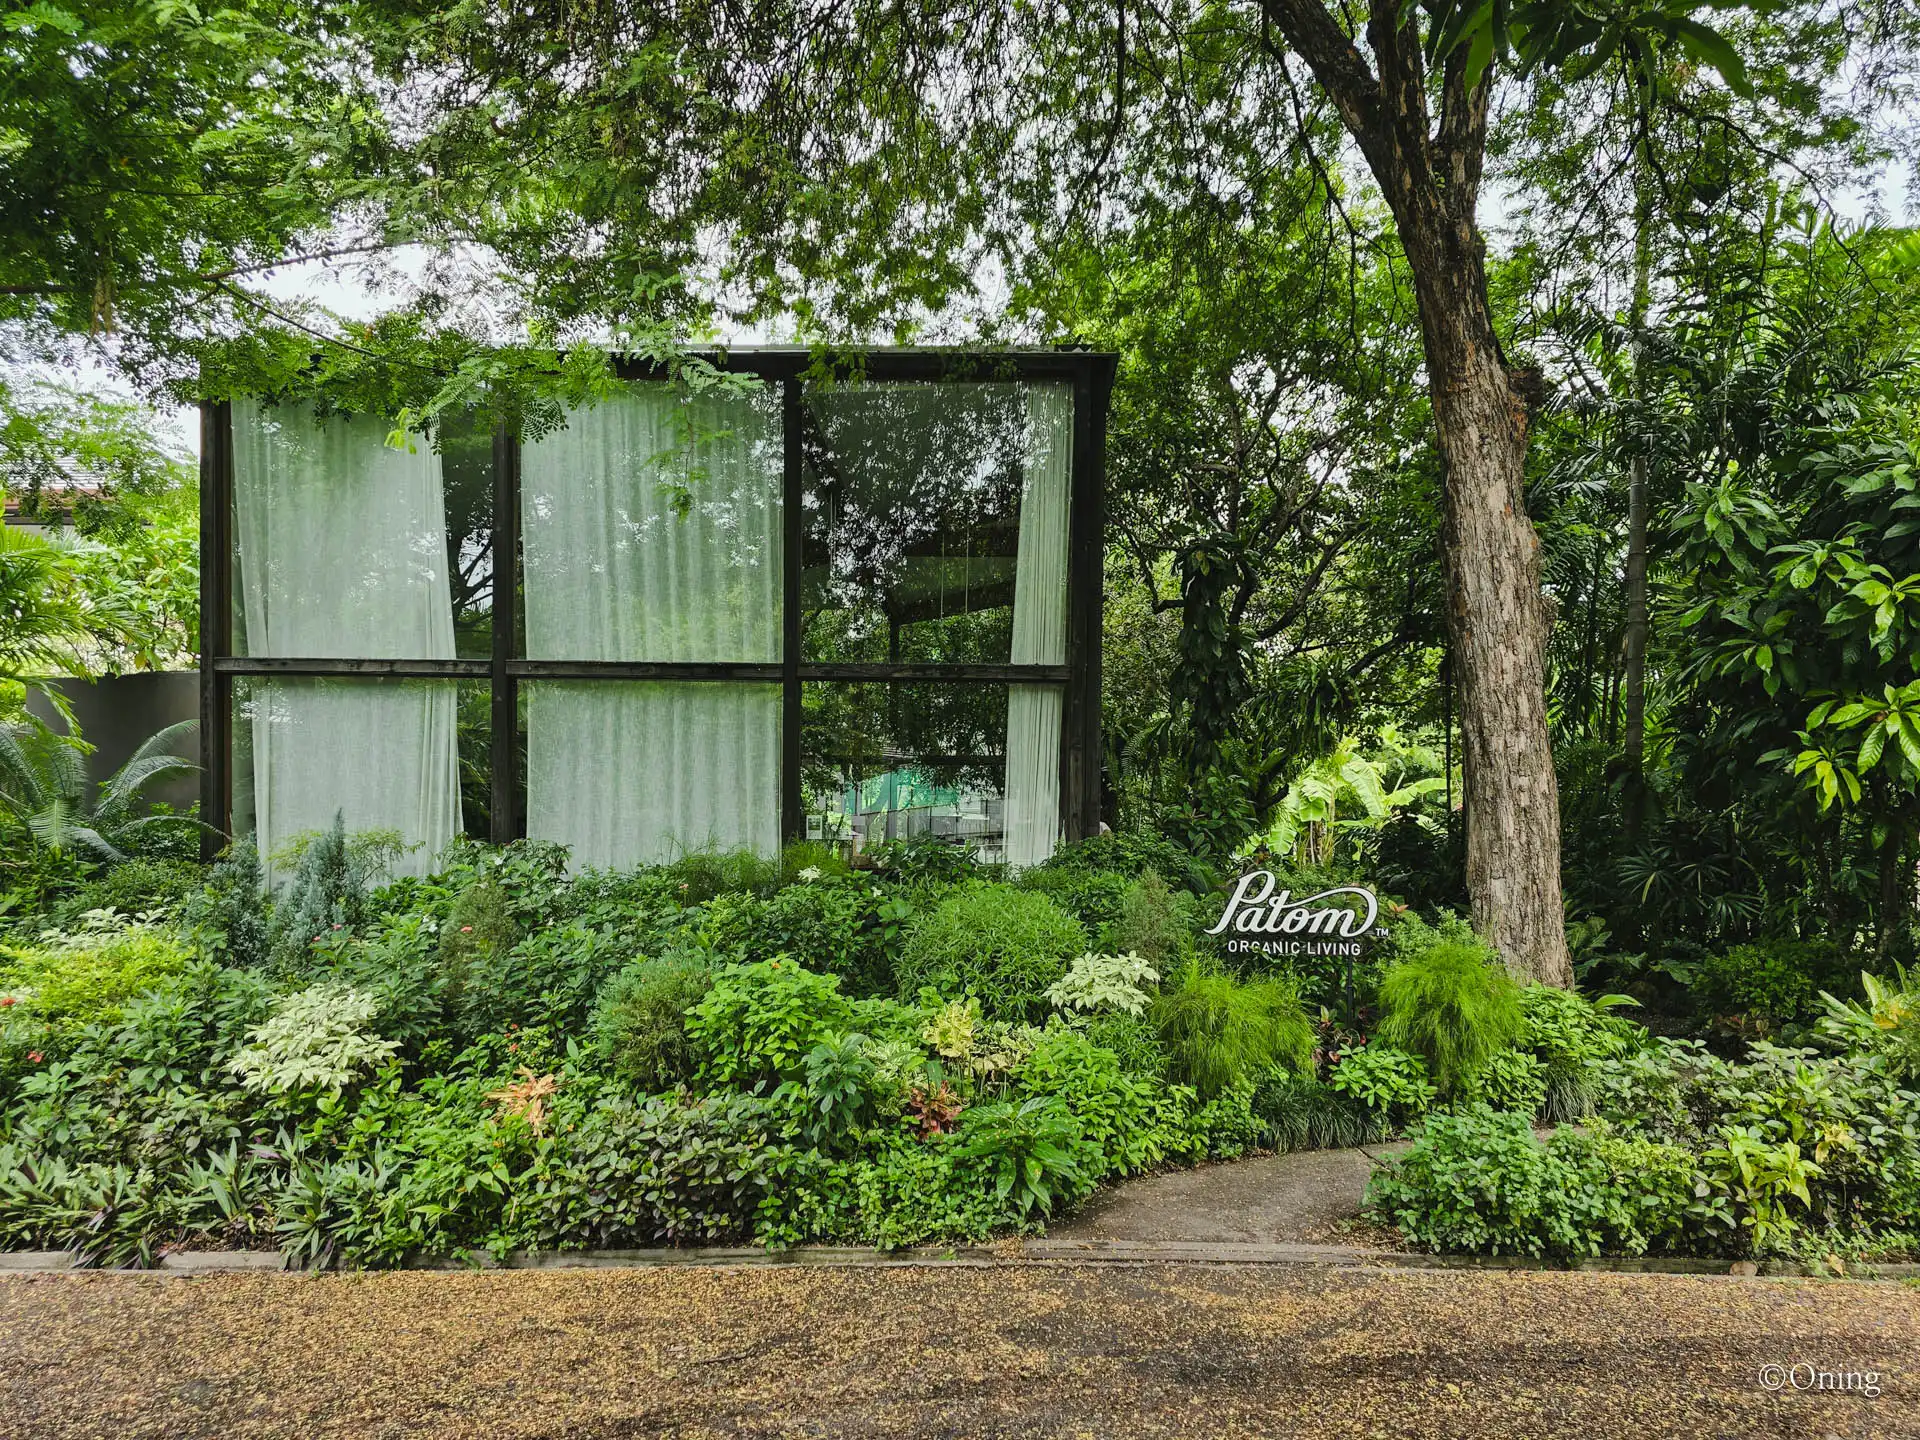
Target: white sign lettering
(1344, 913)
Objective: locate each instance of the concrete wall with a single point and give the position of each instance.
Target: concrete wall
(117, 714)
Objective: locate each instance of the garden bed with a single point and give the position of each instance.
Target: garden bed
(505, 1059)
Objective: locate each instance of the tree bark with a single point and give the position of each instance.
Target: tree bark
(1498, 620)
(1497, 616)
(1634, 682)
(1634, 685)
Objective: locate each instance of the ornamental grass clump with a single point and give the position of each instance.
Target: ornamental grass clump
(1453, 1005)
(1218, 1030)
(1001, 945)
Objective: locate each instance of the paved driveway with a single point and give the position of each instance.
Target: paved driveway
(1101, 1351)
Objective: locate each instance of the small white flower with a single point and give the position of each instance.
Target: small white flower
(810, 874)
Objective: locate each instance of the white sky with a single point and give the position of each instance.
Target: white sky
(341, 288)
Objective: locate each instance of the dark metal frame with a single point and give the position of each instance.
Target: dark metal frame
(1091, 375)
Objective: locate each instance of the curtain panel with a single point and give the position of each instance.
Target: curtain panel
(1039, 627)
(342, 552)
(652, 530)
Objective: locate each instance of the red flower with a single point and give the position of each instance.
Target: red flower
(466, 929)
(33, 1057)
(6, 1000)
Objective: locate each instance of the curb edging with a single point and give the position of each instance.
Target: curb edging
(190, 1263)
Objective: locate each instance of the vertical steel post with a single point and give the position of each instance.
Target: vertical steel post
(792, 815)
(505, 694)
(216, 624)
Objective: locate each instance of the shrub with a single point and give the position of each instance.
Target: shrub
(900, 1069)
(1389, 1082)
(922, 859)
(1410, 936)
(663, 1168)
(476, 934)
(907, 1193)
(1030, 1152)
(137, 884)
(1572, 1037)
(1002, 945)
(1093, 897)
(640, 1020)
(1127, 1123)
(1226, 1125)
(1218, 1030)
(228, 918)
(1135, 852)
(754, 1027)
(1453, 1005)
(1152, 923)
(1104, 982)
(1885, 1022)
(399, 967)
(836, 1089)
(318, 1039)
(805, 862)
(549, 978)
(1512, 1080)
(833, 924)
(1786, 1138)
(1479, 1181)
(951, 1029)
(1758, 1174)
(332, 873)
(644, 907)
(75, 978)
(1770, 980)
(1133, 1039)
(186, 1027)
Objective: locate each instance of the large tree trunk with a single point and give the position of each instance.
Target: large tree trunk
(1497, 617)
(1498, 620)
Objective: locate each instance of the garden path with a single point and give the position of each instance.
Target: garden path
(1293, 1198)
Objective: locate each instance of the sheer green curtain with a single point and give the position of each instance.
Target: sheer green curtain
(652, 530)
(1039, 628)
(342, 552)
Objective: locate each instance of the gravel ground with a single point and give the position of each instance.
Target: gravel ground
(1093, 1351)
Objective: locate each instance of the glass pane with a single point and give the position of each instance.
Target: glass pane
(466, 463)
(884, 761)
(396, 756)
(640, 773)
(651, 530)
(935, 525)
(341, 542)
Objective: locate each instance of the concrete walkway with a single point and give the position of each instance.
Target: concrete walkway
(1291, 1199)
